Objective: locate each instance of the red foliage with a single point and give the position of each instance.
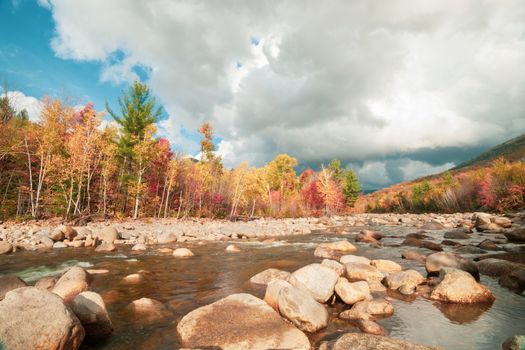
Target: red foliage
(487, 194)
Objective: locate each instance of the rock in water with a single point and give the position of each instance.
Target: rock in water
(148, 311)
(31, 318)
(363, 272)
(46, 283)
(9, 283)
(302, 310)
(334, 265)
(342, 246)
(516, 342)
(354, 259)
(239, 321)
(386, 266)
(317, 279)
(269, 275)
(91, 311)
(374, 307)
(182, 253)
(409, 279)
(351, 293)
(361, 341)
(105, 247)
(370, 327)
(517, 235)
(413, 255)
(232, 248)
(458, 286)
(435, 262)
(73, 282)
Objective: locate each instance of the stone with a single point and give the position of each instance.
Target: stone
(343, 246)
(182, 253)
(269, 275)
(409, 278)
(105, 247)
(502, 221)
(31, 318)
(166, 237)
(514, 280)
(386, 266)
(92, 313)
(166, 250)
(9, 283)
(69, 233)
(374, 307)
(108, 234)
(435, 262)
(354, 315)
(413, 255)
(363, 341)
(370, 327)
(134, 278)
(322, 252)
(433, 225)
(458, 286)
(487, 244)
(75, 244)
(273, 288)
(46, 241)
(367, 236)
(363, 272)
(71, 283)
(232, 248)
(148, 311)
(421, 243)
(57, 234)
(481, 219)
(345, 259)
(352, 292)
(497, 267)
(59, 245)
(517, 235)
(139, 247)
(5, 247)
(46, 283)
(456, 235)
(334, 265)
(317, 279)
(300, 308)
(239, 321)
(516, 342)
(490, 228)
(469, 249)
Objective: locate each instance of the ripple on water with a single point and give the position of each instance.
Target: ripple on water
(35, 273)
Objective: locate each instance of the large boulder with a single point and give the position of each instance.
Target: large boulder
(69, 232)
(409, 279)
(362, 341)
(106, 247)
(374, 307)
(166, 237)
(343, 246)
(497, 267)
(108, 234)
(317, 279)
(514, 280)
(302, 310)
(326, 253)
(269, 275)
(458, 286)
(46, 283)
(517, 235)
(414, 255)
(75, 281)
(435, 262)
(334, 265)
(239, 321)
(31, 318)
(91, 311)
(9, 283)
(363, 272)
(352, 292)
(5, 247)
(271, 296)
(386, 266)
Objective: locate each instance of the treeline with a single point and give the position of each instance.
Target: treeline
(68, 164)
(498, 187)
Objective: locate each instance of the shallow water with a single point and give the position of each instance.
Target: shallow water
(185, 284)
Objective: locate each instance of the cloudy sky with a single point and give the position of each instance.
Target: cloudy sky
(395, 89)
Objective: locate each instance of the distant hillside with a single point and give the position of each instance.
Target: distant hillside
(480, 183)
(511, 150)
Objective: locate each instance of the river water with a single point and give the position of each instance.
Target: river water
(185, 284)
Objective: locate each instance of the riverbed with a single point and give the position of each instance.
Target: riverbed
(186, 284)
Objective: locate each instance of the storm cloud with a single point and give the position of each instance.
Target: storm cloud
(396, 89)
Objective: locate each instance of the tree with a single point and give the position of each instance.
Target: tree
(138, 110)
(337, 171)
(351, 187)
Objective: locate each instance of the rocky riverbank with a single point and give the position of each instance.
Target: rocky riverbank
(444, 256)
(43, 235)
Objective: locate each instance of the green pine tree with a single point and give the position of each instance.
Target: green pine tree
(351, 187)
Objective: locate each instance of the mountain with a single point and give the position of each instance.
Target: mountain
(512, 150)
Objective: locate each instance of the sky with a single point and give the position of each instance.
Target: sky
(395, 89)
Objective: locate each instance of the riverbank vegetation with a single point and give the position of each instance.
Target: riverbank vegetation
(71, 164)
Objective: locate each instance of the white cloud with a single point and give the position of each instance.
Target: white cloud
(19, 101)
(355, 80)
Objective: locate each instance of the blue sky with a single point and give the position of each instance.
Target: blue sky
(396, 90)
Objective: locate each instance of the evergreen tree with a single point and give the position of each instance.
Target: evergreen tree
(351, 187)
(337, 171)
(138, 111)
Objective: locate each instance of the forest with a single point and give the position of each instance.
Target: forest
(70, 164)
